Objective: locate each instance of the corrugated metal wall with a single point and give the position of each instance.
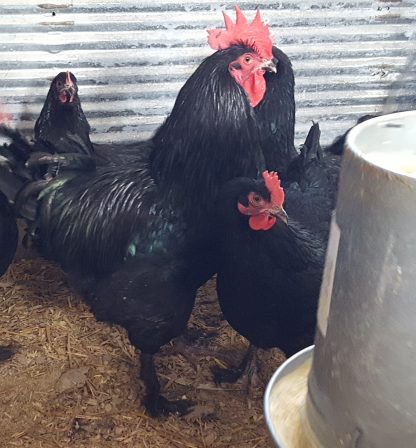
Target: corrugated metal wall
(131, 58)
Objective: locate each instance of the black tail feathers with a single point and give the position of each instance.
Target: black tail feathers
(309, 151)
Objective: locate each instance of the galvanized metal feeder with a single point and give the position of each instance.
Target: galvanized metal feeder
(362, 385)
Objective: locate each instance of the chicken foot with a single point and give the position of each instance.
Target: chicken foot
(181, 345)
(68, 161)
(246, 374)
(155, 403)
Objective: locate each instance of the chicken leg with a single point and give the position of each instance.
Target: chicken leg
(155, 403)
(185, 346)
(245, 374)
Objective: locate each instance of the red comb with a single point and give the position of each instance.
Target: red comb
(255, 34)
(273, 185)
(68, 80)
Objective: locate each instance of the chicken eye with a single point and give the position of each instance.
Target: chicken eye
(255, 199)
(247, 60)
(59, 84)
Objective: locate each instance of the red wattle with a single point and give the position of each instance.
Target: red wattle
(263, 221)
(255, 87)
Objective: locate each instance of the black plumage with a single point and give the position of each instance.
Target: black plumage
(311, 190)
(268, 281)
(8, 234)
(129, 252)
(275, 116)
(62, 114)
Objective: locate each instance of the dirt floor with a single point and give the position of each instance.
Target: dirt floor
(74, 381)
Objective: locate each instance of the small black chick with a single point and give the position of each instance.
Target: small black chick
(269, 272)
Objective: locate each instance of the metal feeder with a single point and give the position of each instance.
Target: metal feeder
(362, 385)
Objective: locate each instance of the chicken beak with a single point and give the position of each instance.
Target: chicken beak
(269, 65)
(279, 213)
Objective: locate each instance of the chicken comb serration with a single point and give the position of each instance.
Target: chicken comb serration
(272, 182)
(255, 34)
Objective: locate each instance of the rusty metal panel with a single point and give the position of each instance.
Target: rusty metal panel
(131, 58)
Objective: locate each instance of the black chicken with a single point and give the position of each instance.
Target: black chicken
(8, 246)
(8, 234)
(8, 225)
(61, 133)
(259, 253)
(269, 272)
(62, 114)
(63, 125)
(129, 251)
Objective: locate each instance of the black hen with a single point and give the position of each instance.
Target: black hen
(62, 123)
(270, 271)
(62, 115)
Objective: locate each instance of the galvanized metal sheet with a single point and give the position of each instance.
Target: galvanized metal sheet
(132, 58)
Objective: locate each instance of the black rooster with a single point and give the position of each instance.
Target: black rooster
(269, 273)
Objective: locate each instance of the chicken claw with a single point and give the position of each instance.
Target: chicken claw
(246, 374)
(158, 406)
